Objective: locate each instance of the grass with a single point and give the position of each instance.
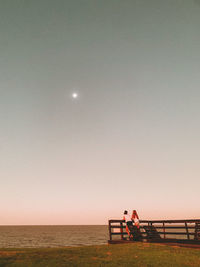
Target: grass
(125, 255)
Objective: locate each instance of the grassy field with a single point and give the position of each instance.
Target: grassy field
(139, 254)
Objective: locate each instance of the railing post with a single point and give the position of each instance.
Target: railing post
(164, 230)
(197, 231)
(121, 230)
(186, 227)
(109, 230)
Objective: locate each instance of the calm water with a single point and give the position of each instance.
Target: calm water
(53, 236)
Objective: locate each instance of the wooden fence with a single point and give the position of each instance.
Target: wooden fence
(175, 231)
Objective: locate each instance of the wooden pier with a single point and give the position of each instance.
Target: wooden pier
(185, 232)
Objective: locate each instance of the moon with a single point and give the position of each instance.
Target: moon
(74, 95)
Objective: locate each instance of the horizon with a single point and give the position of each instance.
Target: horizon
(99, 110)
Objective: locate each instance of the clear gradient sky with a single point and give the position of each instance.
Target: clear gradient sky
(131, 140)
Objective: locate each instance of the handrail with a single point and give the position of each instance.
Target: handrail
(160, 221)
(171, 221)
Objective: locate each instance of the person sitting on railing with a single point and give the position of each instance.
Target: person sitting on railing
(128, 220)
(135, 219)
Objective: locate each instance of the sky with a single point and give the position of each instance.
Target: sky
(130, 140)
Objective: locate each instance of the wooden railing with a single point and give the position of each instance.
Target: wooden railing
(181, 231)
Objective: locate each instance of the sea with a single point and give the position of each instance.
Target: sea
(52, 236)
